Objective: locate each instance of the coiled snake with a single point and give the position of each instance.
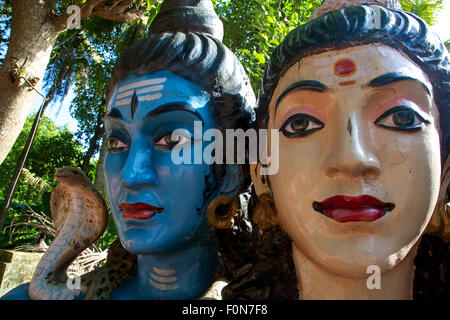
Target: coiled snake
(80, 217)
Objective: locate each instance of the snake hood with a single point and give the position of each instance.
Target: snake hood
(72, 176)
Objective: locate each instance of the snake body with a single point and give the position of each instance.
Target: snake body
(81, 217)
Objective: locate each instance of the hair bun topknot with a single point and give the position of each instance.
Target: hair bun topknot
(188, 16)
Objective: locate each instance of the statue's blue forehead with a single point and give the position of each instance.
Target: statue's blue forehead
(155, 90)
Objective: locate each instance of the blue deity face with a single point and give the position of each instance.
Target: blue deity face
(157, 205)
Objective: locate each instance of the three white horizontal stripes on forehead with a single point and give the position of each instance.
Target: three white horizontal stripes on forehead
(165, 278)
(151, 85)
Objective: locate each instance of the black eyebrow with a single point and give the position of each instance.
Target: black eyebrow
(393, 77)
(170, 107)
(302, 85)
(114, 114)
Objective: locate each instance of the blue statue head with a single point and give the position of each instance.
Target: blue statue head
(171, 81)
(148, 192)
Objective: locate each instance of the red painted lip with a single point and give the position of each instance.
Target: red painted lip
(352, 209)
(138, 210)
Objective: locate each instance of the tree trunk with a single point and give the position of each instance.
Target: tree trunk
(32, 38)
(93, 144)
(34, 30)
(99, 182)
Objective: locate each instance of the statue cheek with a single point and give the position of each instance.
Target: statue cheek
(113, 167)
(163, 172)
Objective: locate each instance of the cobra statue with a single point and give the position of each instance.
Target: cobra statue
(80, 216)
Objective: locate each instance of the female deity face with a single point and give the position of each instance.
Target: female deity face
(359, 160)
(157, 205)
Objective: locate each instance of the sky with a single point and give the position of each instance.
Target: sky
(61, 115)
(442, 26)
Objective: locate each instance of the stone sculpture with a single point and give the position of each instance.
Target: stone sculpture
(360, 96)
(180, 76)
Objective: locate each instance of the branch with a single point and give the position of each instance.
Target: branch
(91, 49)
(88, 8)
(120, 6)
(138, 4)
(126, 17)
(44, 229)
(118, 11)
(60, 22)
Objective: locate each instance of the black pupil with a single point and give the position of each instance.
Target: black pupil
(300, 124)
(404, 118)
(168, 139)
(113, 143)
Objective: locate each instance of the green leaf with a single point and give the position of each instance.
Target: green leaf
(426, 9)
(260, 58)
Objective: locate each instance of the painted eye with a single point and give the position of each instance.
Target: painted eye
(168, 141)
(401, 118)
(115, 144)
(300, 125)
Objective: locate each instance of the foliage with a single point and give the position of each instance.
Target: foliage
(53, 148)
(426, 9)
(27, 227)
(5, 26)
(32, 179)
(253, 28)
(89, 105)
(15, 233)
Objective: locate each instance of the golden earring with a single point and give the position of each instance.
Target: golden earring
(221, 212)
(265, 214)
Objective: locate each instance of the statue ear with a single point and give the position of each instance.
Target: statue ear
(439, 224)
(260, 182)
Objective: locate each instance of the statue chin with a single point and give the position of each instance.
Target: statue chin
(139, 245)
(356, 264)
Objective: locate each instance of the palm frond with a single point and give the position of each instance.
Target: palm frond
(426, 9)
(40, 183)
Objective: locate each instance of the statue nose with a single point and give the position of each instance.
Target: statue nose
(138, 170)
(350, 153)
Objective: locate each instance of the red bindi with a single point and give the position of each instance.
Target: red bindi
(344, 68)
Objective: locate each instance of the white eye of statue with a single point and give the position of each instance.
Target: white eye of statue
(115, 144)
(300, 125)
(167, 141)
(401, 118)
